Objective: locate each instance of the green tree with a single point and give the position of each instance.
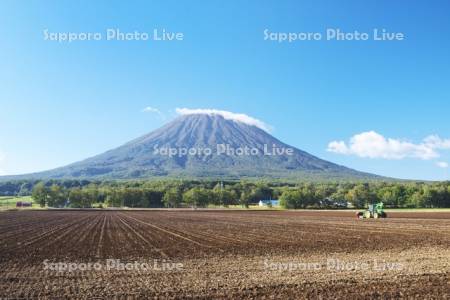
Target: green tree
(92, 193)
(76, 198)
(417, 200)
(360, 195)
(172, 198)
(222, 196)
(261, 192)
(428, 195)
(40, 194)
(25, 189)
(131, 197)
(291, 199)
(57, 196)
(114, 198)
(154, 198)
(228, 197)
(308, 196)
(246, 198)
(197, 197)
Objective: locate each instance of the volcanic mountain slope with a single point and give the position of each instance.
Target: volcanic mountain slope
(148, 156)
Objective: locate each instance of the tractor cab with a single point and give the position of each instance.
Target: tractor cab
(374, 211)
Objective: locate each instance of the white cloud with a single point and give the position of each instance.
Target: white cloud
(442, 164)
(338, 147)
(373, 145)
(243, 118)
(150, 109)
(436, 142)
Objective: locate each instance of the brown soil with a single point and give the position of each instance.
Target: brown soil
(226, 254)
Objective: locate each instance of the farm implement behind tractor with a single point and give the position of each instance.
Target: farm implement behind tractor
(374, 211)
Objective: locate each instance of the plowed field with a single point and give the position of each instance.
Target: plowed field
(224, 254)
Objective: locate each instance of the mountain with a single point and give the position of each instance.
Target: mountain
(218, 145)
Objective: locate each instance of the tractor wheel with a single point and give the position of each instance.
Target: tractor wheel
(375, 215)
(360, 215)
(383, 215)
(367, 214)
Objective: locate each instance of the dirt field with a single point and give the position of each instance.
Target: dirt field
(223, 254)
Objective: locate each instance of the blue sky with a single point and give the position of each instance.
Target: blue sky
(61, 102)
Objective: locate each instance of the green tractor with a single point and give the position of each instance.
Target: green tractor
(374, 211)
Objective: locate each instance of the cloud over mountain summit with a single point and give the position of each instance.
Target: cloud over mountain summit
(243, 118)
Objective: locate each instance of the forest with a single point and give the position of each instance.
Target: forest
(185, 193)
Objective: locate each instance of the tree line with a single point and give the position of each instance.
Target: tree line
(212, 193)
(159, 194)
